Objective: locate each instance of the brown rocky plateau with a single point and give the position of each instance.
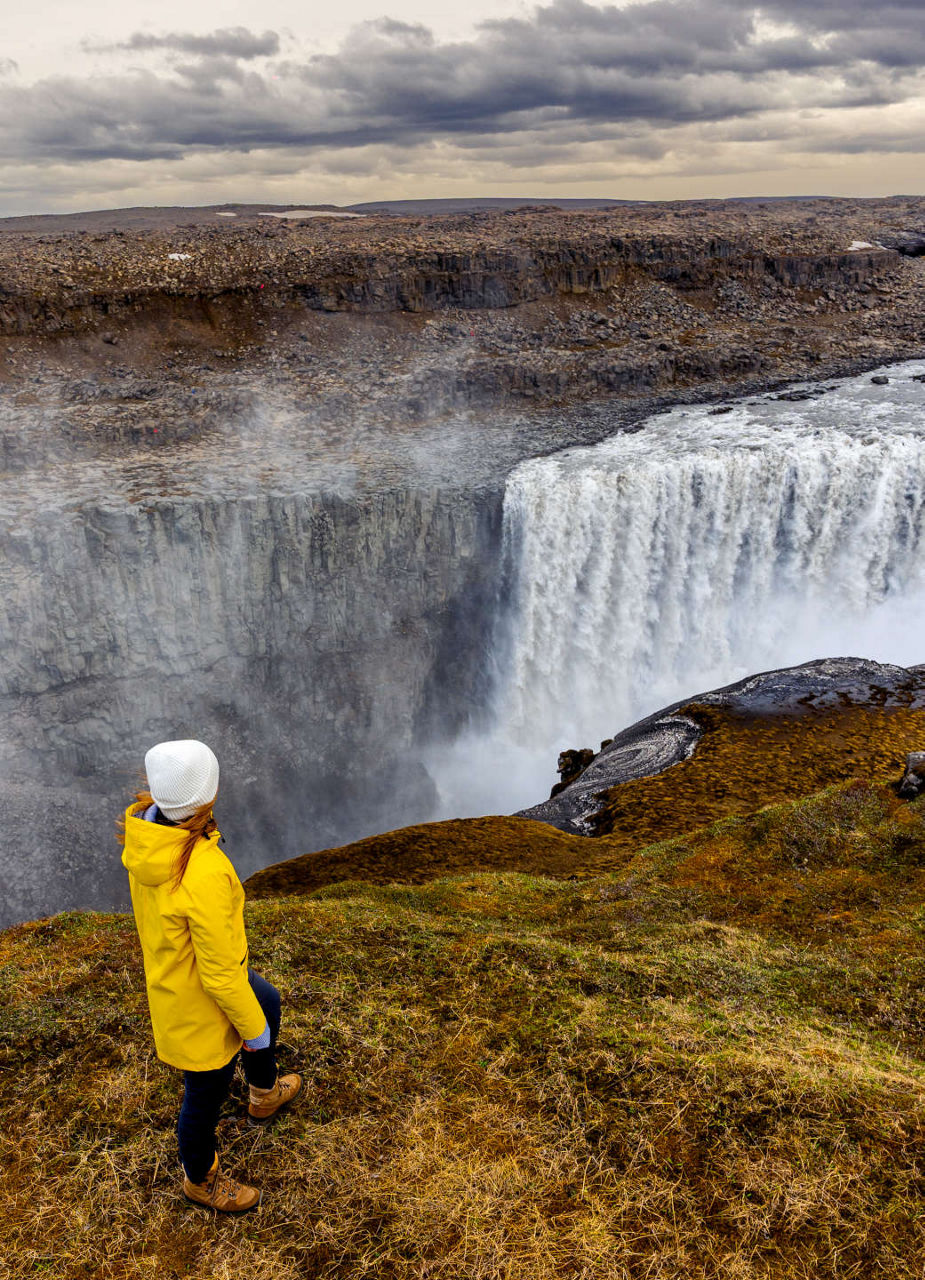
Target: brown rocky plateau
(405, 317)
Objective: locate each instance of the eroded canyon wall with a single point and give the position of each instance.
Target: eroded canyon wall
(251, 478)
(314, 640)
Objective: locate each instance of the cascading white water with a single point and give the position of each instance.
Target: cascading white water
(699, 550)
(643, 573)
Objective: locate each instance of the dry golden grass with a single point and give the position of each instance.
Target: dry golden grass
(431, 851)
(741, 763)
(745, 761)
(709, 1065)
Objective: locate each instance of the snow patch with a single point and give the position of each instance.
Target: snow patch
(310, 213)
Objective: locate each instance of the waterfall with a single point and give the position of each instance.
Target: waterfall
(701, 549)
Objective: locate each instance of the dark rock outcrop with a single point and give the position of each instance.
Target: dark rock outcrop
(571, 766)
(668, 737)
(909, 243)
(417, 279)
(913, 779)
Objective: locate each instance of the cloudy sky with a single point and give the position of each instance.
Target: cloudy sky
(202, 102)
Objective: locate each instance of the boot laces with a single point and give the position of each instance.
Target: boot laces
(224, 1187)
(278, 1090)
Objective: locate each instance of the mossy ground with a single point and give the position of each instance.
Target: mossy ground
(709, 1064)
(741, 763)
(745, 761)
(433, 850)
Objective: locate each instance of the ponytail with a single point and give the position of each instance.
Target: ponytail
(200, 825)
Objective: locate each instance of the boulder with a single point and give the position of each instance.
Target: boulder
(913, 780)
(571, 766)
(909, 243)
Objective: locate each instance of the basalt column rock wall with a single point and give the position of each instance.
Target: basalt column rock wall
(314, 640)
(426, 281)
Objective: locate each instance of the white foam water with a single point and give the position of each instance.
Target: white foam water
(698, 550)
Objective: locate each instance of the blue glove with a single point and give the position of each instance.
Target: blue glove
(259, 1042)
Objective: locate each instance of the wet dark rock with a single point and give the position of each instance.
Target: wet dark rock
(880, 380)
(910, 244)
(666, 738)
(803, 393)
(913, 780)
(571, 766)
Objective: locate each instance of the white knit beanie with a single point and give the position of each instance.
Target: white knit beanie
(182, 777)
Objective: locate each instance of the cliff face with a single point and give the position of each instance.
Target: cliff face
(379, 268)
(425, 281)
(418, 316)
(437, 281)
(409, 318)
(314, 640)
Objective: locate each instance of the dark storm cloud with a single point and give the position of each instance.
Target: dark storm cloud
(569, 70)
(229, 42)
(891, 35)
(665, 62)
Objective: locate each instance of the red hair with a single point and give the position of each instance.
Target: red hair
(200, 826)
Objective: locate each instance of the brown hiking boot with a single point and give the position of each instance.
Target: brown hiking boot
(266, 1103)
(222, 1193)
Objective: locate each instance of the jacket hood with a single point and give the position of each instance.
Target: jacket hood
(151, 850)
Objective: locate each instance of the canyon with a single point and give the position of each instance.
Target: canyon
(255, 480)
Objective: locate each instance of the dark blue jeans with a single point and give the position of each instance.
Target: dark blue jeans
(206, 1090)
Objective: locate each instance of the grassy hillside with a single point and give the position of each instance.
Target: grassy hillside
(428, 850)
(742, 762)
(745, 761)
(708, 1063)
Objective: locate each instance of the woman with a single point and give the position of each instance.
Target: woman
(206, 1004)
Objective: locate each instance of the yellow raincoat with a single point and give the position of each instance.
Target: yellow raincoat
(194, 946)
